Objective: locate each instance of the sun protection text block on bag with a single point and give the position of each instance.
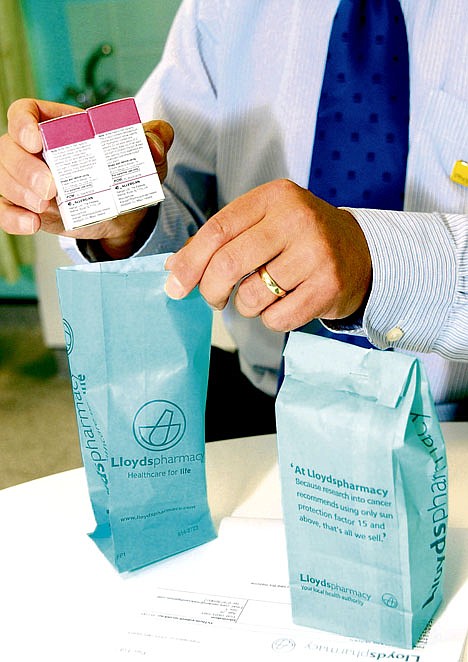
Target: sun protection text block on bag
(364, 489)
(135, 182)
(78, 166)
(101, 163)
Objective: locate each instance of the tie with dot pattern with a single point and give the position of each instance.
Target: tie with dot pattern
(361, 137)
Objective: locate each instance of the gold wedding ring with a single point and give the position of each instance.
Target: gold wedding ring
(271, 283)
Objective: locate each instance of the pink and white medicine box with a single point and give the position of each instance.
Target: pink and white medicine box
(135, 182)
(101, 163)
(78, 166)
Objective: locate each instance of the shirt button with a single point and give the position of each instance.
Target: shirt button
(394, 334)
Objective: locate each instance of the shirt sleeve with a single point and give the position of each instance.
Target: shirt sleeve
(183, 90)
(419, 296)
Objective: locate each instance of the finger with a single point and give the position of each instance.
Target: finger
(16, 220)
(24, 179)
(294, 310)
(301, 274)
(160, 136)
(252, 248)
(253, 296)
(190, 262)
(313, 297)
(24, 115)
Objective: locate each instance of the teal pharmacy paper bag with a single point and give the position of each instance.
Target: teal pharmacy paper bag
(139, 368)
(364, 490)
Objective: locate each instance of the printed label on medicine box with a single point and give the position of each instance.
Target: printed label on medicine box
(135, 181)
(78, 165)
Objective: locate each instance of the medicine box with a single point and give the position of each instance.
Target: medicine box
(79, 169)
(101, 163)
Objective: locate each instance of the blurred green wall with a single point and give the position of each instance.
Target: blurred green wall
(62, 35)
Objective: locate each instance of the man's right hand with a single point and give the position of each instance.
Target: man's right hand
(27, 189)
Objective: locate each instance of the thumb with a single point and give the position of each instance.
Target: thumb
(24, 116)
(160, 136)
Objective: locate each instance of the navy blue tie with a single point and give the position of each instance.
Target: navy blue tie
(361, 137)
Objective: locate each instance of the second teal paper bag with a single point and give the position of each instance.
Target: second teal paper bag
(364, 487)
(139, 368)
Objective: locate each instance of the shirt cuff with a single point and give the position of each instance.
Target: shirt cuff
(414, 278)
(352, 323)
(92, 251)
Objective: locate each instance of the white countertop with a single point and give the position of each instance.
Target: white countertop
(56, 586)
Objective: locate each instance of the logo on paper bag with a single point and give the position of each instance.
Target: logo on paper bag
(69, 337)
(159, 425)
(390, 600)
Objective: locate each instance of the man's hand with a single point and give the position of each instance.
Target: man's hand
(27, 189)
(317, 253)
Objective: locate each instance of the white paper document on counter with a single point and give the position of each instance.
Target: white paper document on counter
(229, 599)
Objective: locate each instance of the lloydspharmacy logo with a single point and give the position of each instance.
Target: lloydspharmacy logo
(69, 337)
(159, 425)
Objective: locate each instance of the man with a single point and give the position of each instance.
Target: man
(240, 85)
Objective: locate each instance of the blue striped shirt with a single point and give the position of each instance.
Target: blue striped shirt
(240, 83)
